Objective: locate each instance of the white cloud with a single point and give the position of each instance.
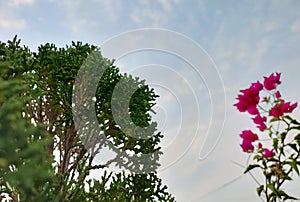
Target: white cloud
(229, 52)
(9, 19)
(21, 2)
(12, 24)
(87, 17)
(167, 4)
(82, 24)
(152, 18)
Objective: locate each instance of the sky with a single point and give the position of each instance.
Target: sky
(197, 55)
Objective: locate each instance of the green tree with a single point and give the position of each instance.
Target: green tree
(46, 127)
(26, 173)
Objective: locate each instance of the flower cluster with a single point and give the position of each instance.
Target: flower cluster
(271, 115)
(249, 100)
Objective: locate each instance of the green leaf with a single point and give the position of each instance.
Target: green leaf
(273, 189)
(274, 120)
(250, 167)
(258, 158)
(295, 128)
(293, 146)
(259, 189)
(275, 144)
(297, 139)
(294, 166)
(295, 122)
(286, 177)
(282, 136)
(289, 118)
(281, 193)
(286, 197)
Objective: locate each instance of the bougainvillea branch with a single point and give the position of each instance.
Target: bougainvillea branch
(280, 159)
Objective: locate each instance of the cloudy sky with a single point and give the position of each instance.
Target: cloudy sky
(197, 58)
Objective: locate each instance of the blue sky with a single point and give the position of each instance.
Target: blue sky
(245, 40)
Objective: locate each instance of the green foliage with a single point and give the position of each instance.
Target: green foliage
(282, 166)
(25, 173)
(37, 126)
(125, 185)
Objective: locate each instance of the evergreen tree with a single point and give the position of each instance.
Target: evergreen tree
(37, 126)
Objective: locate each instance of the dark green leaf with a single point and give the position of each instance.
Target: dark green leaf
(275, 144)
(259, 189)
(250, 167)
(290, 118)
(294, 146)
(295, 128)
(274, 120)
(282, 136)
(294, 165)
(273, 189)
(294, 121)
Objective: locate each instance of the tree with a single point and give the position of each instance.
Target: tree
(48, 110)
(25, 173)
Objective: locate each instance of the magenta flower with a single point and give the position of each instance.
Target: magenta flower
(260, 121)
(277, 94)
(283, 107)
(276, 112)
(253, 110)
(262, 127)
(288, 108)
(272, 81)
(257, 86)
(249, 135)
(248, 138)
(248, 100)
(268, 153)
(247, 146)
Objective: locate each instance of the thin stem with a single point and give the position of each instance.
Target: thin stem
(266, 180)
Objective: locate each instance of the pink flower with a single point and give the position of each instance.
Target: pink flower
(248, 138)
(276, 111)
(248, 100)
(259, 145)
(277, 94)
(268, 153)
(252, 110)
(262, 127)
(247, 146)
(288, 108)
(257, 86)
(283, 107)
(249, 135)
(272, 81)
(260, 121)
